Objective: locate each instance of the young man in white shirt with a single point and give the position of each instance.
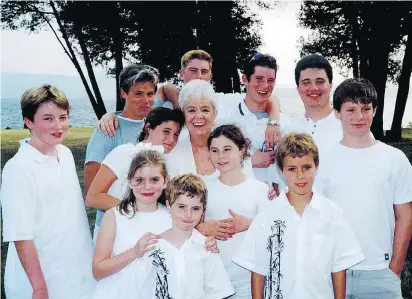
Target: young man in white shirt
(44, 219)
(372, 183)
(299, 245)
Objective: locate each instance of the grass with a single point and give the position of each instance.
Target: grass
(77, 139)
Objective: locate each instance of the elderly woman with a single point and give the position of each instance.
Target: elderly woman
(191, 154)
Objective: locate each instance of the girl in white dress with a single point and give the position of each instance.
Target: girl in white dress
(123, 236)
(233, 201)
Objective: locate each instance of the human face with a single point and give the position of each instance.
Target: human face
(165, 134)
(299, 173)
(196, 69)
(356, 118)
(225, 154)
(261, 84)
(147, 185)
(314, 88)
(199, 117)
(49, 126)
(139, 99)
(186, 211)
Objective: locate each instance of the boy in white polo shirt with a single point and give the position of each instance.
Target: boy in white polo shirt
(372, 183)
(301, 242)
(44, 219)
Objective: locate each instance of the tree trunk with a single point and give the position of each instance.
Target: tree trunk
(76, 63)
(89, 67)
(395, 134)
(118, 56)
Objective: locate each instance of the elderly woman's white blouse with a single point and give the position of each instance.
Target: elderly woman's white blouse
(182, 161)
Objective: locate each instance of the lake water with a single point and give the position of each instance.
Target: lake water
(82, 114)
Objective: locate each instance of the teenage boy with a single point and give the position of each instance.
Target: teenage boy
(300, 245)
(371, 182)
(44, 220)
(197, 64)
(138, 85)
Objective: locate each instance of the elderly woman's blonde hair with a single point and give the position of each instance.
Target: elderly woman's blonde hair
(296, 145)
(197, 90)
(186, 184)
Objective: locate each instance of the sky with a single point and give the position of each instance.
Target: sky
(41, 53)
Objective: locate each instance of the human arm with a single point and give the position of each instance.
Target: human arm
(403, 231)
(97, 196)
(258, 283)
(272, 132)
(220, 229)
(169, 93)
(104, 264)
(108, 124)
(339, 284)
(90, 171)
(29, 259)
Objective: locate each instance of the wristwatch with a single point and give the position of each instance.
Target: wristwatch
(273, 122)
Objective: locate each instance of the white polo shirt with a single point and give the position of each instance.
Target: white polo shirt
(42, 201)
(298, 254)
(366, 183)
(188, 272)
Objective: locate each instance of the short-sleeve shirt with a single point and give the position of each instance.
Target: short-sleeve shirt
(100, 145)
(366, 183)
(42, 201)
(245, 199)
(298, 254)
(189, 272)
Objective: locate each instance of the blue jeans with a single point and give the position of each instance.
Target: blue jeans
(373, 284)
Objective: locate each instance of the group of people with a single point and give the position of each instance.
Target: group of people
(208, 195)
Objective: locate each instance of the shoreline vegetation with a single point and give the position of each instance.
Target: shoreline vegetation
(77, 139)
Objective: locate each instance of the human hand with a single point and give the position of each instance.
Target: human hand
(240, 223)
(272, 192)
(395, 269)
(108, 124)
(145, 244)
(272, 135)
(40, 294)
(211, 244)
(220, 229)
(263, 159)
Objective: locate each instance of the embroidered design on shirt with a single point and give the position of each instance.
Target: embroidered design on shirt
(275, 247)
(162, 286)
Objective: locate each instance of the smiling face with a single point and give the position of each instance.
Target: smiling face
(314, 88)
(225, 154)
(147, 185)
(165, 134)
(299, 173)
(196, 69)
(260, 85)
(49, 126)
(139, 99)
(186, 211)
(199, 117)
(356, 118)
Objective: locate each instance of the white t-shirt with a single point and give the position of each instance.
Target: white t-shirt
(42, 201)
(366, 183)
(298, 254)
(245, 199)
(188, 272)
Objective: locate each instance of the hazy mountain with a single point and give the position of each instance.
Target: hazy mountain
(13, 85)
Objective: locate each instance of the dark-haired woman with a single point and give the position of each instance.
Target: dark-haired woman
(162, 128)
(233, 201)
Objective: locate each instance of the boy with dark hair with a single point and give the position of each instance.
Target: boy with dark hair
(299, 245)
(371, 182)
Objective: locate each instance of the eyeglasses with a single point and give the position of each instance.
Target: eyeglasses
(259, 56)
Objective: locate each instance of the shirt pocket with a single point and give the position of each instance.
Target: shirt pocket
(322, 253)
